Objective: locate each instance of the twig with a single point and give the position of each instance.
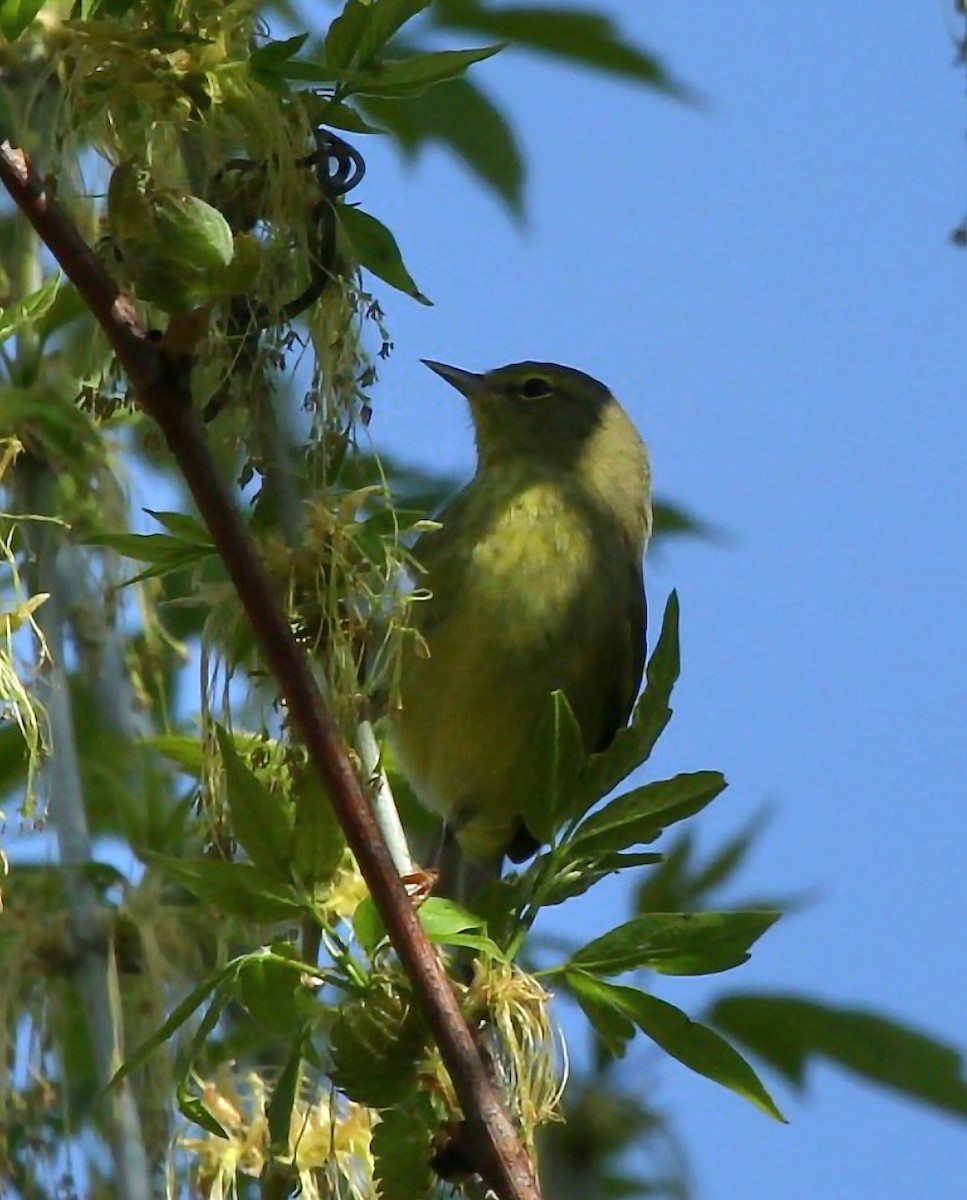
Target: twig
(384, 805)
(161, 381)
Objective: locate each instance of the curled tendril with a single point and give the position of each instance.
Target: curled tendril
(338, 168)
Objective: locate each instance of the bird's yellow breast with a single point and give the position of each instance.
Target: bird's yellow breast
(527, 568)
(512, 615)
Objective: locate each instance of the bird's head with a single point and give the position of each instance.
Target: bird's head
(531, 411)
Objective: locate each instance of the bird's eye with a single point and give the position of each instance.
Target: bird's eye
(535, 388)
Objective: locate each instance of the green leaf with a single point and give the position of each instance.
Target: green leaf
(444, 922)
(166, 553)
(462, 117)
(181, 525)
(68, 306)
(237, 888)
(147, 547)
(260, 821)
(362, 30)
(610, 1024)
(789, 1032)
(368, 924)
(345, 33)
(337, 115)
(693, 1044)
(641, 815)
(192, 1106)
(674, 943)
(554, 763)
(31, 309)
(412, 76)
(272, 53)
(577, 35)
(721, 867)
(14, 757)
(671, 520)
(271, 989)
(448, 924)
(442, 918)
(179, 1015)
(16, 16)
(377, 249)
(278, 1113)
(302, 71)
(194, 1110)
(318, 840)
(579, 874)
(680, 883)
(50, 426)
(402, 1147)
(633, 745)
(187, 753)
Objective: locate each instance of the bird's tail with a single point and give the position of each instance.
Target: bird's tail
(461, 877)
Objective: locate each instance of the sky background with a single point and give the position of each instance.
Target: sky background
(767, 283)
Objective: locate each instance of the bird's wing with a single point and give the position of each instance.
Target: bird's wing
(629, 659)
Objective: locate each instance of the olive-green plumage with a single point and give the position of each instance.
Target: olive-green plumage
(535, 577)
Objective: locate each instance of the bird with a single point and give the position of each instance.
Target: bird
(533, 583)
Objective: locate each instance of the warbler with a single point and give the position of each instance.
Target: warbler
(535, 584)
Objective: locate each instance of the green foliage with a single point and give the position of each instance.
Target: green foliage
(460, 115)
(377, 250)
(357, 35)
(403, 1150)
(260, 821)
(187, 544)
(279, 1111)
(33, 308)
(588, 843)
(318, 842)
(16, 16)
(240, 889)
(672, 520)
(273, 994)
(616, 1011)
(443, 921)
(642, 815)
(565, 786)
(674, 943)
(682, 882)
(581, 36)
(634, 744)
(789, 1032)
(555, 763)
(289, 832)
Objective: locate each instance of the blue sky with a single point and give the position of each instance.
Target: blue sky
(768, 285)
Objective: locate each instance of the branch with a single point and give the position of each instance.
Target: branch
(161, 380)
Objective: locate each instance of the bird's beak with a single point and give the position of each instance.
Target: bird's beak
(466, 382)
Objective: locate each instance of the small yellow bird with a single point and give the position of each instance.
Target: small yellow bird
(536, 584)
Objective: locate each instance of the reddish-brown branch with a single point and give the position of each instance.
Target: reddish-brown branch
(161, 382)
